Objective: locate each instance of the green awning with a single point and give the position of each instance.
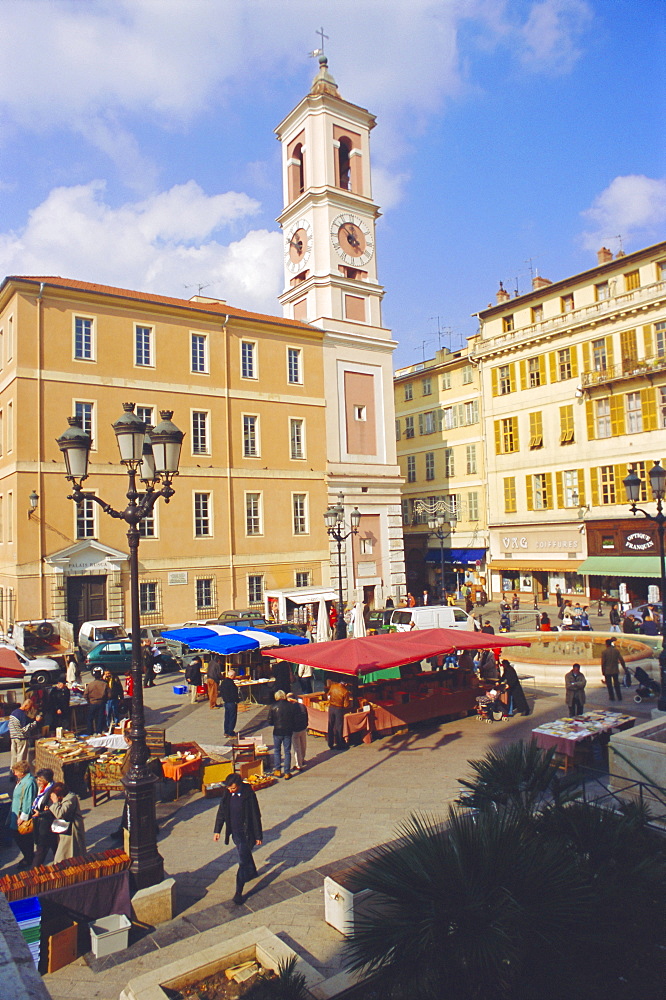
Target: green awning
(621, 566)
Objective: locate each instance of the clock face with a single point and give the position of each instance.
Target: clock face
(352, 239)
(298, 246)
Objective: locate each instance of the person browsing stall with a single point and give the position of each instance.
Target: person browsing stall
(574, 683)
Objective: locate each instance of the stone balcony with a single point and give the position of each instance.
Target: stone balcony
(625, 369)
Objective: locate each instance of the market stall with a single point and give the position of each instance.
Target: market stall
(382, 701)
(570, 736)
(239, 648)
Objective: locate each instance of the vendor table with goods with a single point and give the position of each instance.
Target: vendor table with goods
(568, 734)
(386, 705)
(68, 757)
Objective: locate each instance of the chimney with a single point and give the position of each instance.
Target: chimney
(604, 255)
(539, 282)
(619, 254)
(502, 294)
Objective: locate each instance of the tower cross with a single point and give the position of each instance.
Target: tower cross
(322, 36)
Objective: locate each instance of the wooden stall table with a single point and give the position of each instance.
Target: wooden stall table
(246, 684)
(387, 717)
(58, 755)
(177, 768)
(568, 735)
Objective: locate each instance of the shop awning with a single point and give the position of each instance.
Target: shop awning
(622, 566)
(304, 595)
(456, 556)
(526, 565)
(357, 657)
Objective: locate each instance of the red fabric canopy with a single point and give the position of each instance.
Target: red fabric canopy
(10, 665)
(376, 652)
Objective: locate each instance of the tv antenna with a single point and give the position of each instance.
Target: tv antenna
(199, 287)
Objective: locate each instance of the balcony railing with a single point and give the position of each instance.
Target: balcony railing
(627, 368)
(575, 317)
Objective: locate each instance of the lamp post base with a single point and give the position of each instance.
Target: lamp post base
(147, 864)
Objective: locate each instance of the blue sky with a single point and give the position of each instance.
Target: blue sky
(137, 145)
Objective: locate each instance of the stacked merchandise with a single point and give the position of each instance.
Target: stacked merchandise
(72, 871)
(28, 915)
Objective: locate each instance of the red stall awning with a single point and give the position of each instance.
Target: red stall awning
(10, 665)
(377, 652)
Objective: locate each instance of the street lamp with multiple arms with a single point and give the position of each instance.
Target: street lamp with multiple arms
(152, 456)
(335, 526)
(632, 485)
(436, 525)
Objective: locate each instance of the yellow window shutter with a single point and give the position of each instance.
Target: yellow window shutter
(498, 438)
(648, 345)
(549, 490)
(512, 376)
(495, 386)
(609, 351)
(586, 355)
(589, 416)
(649, 408)
(574, 361)
(620, 472)
(542, 368)
(514, 426)
(552, 360)
(594, 482)
(580, 476)
(617, 415)
(559, 488)
(528, 492)
(523, 374)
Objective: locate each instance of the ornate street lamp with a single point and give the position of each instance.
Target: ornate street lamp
(334, 518)
(440, 513)
(632, 485)
(136, 441)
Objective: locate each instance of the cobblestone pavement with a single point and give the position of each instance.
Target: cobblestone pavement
(343, 804)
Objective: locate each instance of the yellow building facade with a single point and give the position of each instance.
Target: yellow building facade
(441, 454)
(573, 383)
(248, 392)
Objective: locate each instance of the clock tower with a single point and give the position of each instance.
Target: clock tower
(329, 216)
(330, 268)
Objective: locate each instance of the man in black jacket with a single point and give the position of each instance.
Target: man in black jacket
(280, 717)
(239, 814)
(229, 694)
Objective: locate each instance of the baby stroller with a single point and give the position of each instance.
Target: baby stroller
(647, 688)
(505, 622)
(489, 708)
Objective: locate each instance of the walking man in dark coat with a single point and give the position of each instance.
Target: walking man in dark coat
(229, 693)
(611, 659)
(239, 814)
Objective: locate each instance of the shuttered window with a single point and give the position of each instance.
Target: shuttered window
(506, 435)
(510, 495)
(536, 430)
(566, 424)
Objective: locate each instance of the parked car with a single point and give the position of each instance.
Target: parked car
(233, 616)
(379, 621)
(639, 611)
(153, 633)
(116, 656)
(92, 633)
(432, 616)
(40, 670)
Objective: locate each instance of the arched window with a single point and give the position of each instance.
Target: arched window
(344, 163)
(296, 170)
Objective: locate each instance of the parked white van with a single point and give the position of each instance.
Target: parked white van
(431, 616)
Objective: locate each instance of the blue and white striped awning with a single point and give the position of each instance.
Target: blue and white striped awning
(227, 640)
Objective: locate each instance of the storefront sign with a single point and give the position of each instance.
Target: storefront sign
(177, 578)
(638, 541)
(537, 542)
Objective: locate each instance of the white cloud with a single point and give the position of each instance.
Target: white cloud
(551, 34)
(92, 67)
(632, 206)
(159, 244)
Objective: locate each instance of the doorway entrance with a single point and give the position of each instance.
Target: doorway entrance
(86, 600)
(369, 596)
